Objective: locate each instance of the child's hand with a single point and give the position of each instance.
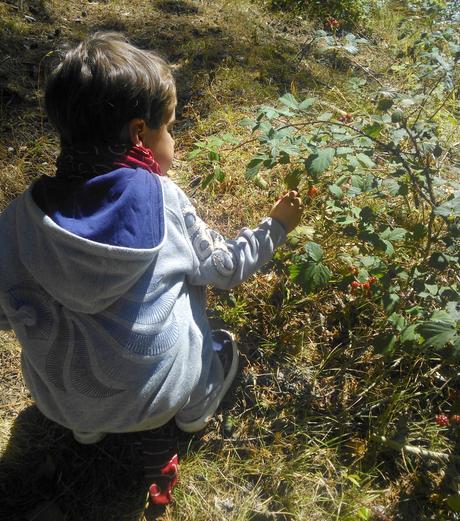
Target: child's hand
(288, 210)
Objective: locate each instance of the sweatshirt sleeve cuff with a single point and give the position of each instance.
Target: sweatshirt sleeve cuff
(276, 230)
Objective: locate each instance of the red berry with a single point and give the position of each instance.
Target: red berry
(312, 191)
(348, 117)
(442, 420)
(372, 280)
(455, 418)
(355, 284)
(366, 285)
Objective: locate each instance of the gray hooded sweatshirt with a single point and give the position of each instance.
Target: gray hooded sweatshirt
(115, 339)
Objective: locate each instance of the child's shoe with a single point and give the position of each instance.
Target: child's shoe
(226, 349)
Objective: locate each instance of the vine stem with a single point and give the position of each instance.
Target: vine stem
(424, 453)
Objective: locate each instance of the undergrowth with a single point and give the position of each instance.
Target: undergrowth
(302, 434)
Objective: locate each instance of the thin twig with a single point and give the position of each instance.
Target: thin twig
(424, 453)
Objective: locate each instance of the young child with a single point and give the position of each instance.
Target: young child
(104, 266)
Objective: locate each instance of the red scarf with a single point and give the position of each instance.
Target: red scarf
(82, 163)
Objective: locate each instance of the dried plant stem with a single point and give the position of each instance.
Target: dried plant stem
(424, 453)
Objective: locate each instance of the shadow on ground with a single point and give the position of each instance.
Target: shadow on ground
(45, 475)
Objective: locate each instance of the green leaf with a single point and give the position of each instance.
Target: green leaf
(448, 208)
(260, 182)
(392, 186)
(437, 333)
(453, 309)
(292, 179)
(299, 234)
(389, 249)
(306, 103)
(409, 334)
(314, 251)
(453, 502)
(319, 162)
(289, 100)
(390, 302)
(310, 275)
(365, 160)
(397, 321)
(373, 130)
(395, 234)
(326, 116)
(253, 167)
(195, 152)
(207, 180)
(213, 155)
(384, 104)
(336, 191)
(218, 173)
(419, 231)
(247, 122)
(385, 343)
(343, 151)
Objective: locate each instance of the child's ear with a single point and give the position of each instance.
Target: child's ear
(135, 130)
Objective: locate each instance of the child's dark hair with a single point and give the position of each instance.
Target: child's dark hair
(102, 84)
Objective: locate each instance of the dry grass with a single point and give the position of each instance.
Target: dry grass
(293, 441)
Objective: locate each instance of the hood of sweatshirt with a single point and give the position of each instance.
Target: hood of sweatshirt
(88, 246)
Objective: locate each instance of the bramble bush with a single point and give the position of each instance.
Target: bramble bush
(385, 182)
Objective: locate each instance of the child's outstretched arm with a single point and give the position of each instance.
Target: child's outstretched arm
(227, 263)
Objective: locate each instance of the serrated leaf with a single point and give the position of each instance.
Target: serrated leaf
(385, 343)
(373, 130)
(310, 275)
(395, 234)
(319, 162)
(437, 333)
(453, 309)
(306, 103)
(194, 153)
(326, 116)
(299, 234)
(448, 208)
(292, 179)
(218, 174)
(389, 248)
(289, 101)
(336, 191)
(453, 502)
(248, 122)
(397, 321)
(390, 302)
(365, 160)
(392, 186)
(213, 155)
(343, 151)
(314, 251)
(409, 334)
(253, 167)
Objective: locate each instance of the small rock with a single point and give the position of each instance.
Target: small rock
(10, 150)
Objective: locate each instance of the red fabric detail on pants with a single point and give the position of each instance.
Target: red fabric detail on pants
(161, 493)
